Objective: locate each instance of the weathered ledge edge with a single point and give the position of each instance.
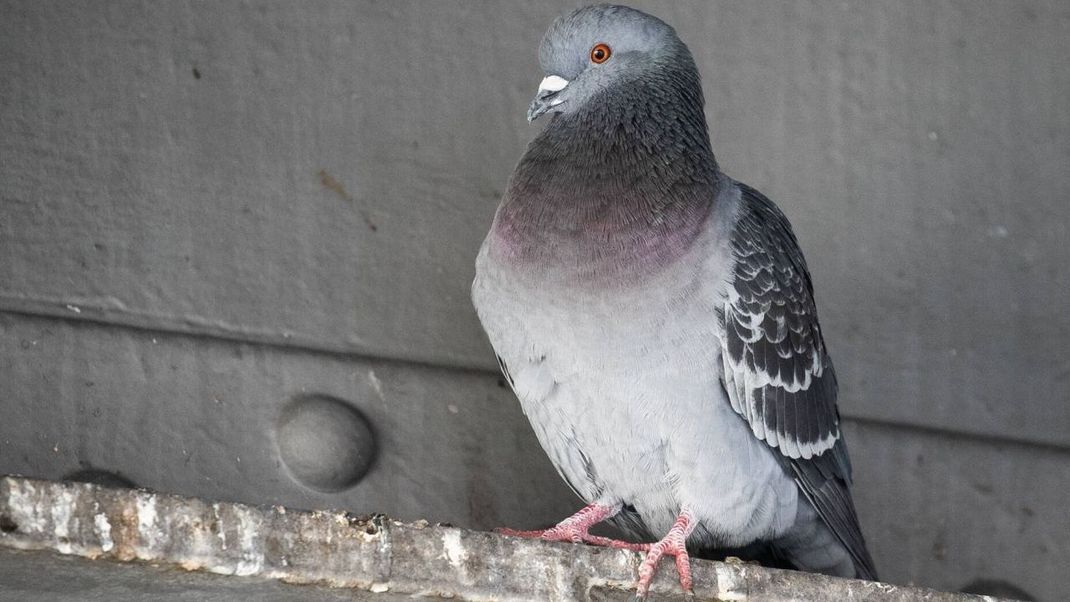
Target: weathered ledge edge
(372, 553)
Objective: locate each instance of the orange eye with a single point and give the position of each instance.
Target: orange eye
(600, 54)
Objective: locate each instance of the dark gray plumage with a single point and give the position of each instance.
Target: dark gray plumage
(656, 318)
(773, 283)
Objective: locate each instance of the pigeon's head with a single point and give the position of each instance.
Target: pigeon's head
(597, 47)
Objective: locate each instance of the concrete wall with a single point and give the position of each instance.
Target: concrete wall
(212, 214)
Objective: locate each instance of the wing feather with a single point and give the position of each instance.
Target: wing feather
(777, 372)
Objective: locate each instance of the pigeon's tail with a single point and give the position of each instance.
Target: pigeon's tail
(812, 546)
(809, 546)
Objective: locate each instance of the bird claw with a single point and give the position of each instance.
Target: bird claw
(650, 566)
(561, 532)
(673, 544)
(575, 529)
(570, 533)
(618, 544)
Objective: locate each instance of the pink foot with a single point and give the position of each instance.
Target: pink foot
(672, 544)
(575, 528)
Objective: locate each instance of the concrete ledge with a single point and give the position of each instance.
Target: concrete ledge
(372, 553)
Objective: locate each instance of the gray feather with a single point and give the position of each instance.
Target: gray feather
(771, 279)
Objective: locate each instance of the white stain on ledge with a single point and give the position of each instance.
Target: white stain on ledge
(103, 529)
(453, 550)
(221, 532)
(25, 512)
(252, 556)
(62, 507)
(146, 517)
(151, 535)
(730, 584)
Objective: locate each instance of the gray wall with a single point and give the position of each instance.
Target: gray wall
(211, 211)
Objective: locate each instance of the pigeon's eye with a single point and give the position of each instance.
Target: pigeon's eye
(600, 54)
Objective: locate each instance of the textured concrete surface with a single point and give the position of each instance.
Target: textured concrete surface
(210, 212)
(372, 554)
(77, 579)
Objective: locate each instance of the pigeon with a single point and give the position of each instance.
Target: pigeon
(656, 320)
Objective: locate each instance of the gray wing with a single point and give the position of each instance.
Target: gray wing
(777, 373)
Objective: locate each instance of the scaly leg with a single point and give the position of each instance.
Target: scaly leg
(575, 529)
(672, 544)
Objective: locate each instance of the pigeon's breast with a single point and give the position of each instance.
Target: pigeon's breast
(594, 368)
(596, 239)
(621, 383)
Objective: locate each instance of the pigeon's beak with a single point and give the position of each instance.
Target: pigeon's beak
(547, 97)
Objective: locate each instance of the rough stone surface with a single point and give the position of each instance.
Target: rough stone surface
(209, 209)
(38, 576)
(372, 553)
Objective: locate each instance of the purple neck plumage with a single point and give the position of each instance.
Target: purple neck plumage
(621, 188)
